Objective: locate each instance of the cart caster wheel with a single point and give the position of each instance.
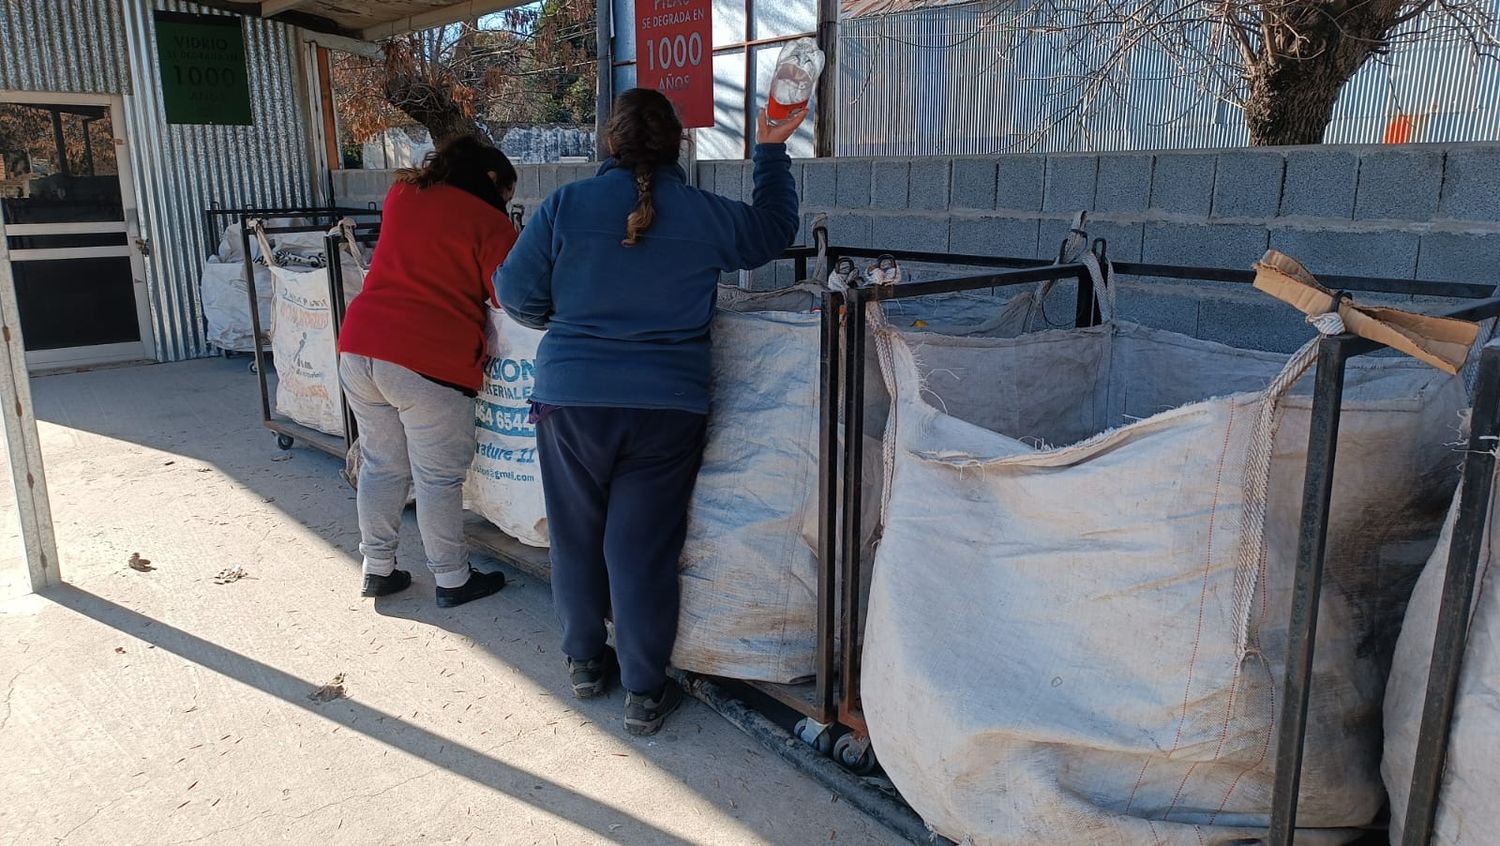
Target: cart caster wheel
(854, 754)
(284, 442)
(815, 734)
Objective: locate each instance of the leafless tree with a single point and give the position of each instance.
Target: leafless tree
(1283, 62)
(509, 67)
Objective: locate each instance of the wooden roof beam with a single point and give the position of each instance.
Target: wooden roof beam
(440, 16)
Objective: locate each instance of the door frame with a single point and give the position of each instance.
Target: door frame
(145, 349)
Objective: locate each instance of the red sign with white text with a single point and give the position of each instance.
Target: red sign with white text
(674, 55)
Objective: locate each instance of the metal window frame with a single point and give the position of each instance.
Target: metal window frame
(1451, 638)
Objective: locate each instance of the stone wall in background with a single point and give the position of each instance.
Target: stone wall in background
(1428, 212)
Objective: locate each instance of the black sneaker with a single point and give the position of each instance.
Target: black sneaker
(644, 713)
(396, 582)
(478, 586)
(590, 678)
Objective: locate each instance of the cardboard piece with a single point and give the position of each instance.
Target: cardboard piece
(1442, 342)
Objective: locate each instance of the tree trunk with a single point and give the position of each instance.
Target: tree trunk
(1311, 50)
(432, 106)
(1291, 102)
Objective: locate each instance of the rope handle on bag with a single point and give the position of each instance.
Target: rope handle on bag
(1077, 249)
(258, 226)
(346, 228)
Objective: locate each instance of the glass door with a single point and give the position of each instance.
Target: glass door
(68, 214)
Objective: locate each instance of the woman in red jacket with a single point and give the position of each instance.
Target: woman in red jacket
(412, 361)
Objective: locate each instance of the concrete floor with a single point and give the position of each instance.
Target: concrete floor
(161, 707)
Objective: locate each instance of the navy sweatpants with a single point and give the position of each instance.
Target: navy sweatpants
(618, 482)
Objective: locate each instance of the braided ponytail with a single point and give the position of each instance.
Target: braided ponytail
(645, 214)
(644, 134)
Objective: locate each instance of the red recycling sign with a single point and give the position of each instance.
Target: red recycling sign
(674, 55)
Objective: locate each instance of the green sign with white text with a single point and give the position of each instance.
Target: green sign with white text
(203, 71)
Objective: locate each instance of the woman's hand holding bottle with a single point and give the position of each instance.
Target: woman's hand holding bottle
(778, 132)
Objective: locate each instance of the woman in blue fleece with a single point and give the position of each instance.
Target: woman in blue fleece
(622, 272)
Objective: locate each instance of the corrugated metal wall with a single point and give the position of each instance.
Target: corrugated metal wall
(180, 170)
(100, 47)
(973, 79)
(73, 46)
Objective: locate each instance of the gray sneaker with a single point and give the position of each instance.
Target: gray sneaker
(590, 678)
(644, 713)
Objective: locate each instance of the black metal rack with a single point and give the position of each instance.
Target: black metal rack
(364, 235)
(287, 431)
(215, 219)
(1334, 352)
(1451, 640)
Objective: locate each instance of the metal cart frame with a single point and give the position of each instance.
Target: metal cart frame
(287, 431)
(1334, 352)
(1467, 542)
(216, 217)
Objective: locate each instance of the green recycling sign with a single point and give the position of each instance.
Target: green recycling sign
(204, 77)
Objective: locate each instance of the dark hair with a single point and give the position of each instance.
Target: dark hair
(644, 133)
(465, 162)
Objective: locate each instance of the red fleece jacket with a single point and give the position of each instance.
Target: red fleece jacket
(424, 301)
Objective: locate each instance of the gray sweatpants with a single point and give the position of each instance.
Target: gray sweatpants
(417, 435)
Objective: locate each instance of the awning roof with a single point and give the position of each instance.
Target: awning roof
(367, 20)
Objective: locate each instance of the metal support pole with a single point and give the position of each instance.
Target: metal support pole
(21, 439)
(259, 346)
(828, 503)
(1317, 494)
(854, 435)
(826, 126)
(1087, 312)
(1469, 529)
(604, 72)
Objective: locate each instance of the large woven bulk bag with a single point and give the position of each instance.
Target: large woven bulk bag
(505, 481)
(226, 304)
(1467, 814)
(749, 578)
(303, 343)
(1076, 629)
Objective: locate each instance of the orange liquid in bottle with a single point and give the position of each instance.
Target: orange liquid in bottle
(777, 110)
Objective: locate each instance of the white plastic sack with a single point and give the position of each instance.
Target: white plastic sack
(303, 346)
(1467, 812)
(1063, 644)
(226, 304)
(505, 480)
(749, 579)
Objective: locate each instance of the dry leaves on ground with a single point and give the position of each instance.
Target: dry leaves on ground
(331, 691)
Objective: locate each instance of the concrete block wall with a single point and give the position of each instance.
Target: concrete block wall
(1427, 212)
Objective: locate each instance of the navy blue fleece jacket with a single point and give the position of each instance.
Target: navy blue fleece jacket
(628, 327)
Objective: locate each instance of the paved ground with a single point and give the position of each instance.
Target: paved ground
(160, 707)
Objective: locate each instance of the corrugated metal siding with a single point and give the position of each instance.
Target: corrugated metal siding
(98, 47)
(73, 46)
(972, 79)
(180, 170)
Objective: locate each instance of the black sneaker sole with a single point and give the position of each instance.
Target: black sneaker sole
(479, 586)
(378, 586)
(591, 690)
(646, 728)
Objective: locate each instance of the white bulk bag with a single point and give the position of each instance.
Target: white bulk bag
(749, 568)
(1076, 628)
(749, 579)
(226, 305)
(1468, 814)
(505, 481)
(303, 344)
